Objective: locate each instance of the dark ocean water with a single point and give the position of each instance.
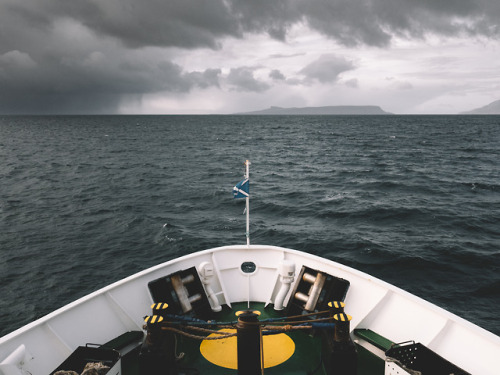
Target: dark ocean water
(413, 200)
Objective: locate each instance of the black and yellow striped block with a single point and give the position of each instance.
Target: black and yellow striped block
(336, 305)
(159, 306)
(153, 319)
(342, 317)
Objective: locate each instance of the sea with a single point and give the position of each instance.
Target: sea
(88, 200)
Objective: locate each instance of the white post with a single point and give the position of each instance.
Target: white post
(247, 175)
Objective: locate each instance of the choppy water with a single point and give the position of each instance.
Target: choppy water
(413, 200)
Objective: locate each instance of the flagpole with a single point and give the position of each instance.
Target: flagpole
(247, 175)
(242, 190)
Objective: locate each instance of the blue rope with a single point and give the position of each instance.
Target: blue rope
(178, 319)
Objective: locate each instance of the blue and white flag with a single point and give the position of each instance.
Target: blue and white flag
(242, 189)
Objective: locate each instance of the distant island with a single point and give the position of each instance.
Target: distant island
(490, 109)
(328, 110)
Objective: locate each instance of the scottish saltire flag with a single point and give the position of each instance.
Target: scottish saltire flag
(242, 189)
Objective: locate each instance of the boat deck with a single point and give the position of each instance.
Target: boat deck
(306, 357)
(381, 315)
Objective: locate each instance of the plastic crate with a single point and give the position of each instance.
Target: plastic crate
(414, 358)
(87, 354)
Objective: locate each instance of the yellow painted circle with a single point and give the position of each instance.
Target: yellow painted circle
(277, 349)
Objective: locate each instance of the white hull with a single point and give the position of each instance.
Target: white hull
(39, 347)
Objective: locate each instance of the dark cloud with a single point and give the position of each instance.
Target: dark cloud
(274, 17)
(327, 68)
(200, 23)
(182, 23)
(90, 82)
(349, 22)
(60, 104)
(69, 52)
(242, 79)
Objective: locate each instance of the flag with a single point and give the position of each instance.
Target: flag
(242, 189)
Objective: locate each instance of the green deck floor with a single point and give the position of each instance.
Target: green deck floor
(305, 360)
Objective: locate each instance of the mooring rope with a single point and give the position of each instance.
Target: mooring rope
(295, 317)
(206, 329)
(225, 335)
(181, 320)
(287, 328)
(304, 321)
(222, 335)
(279, 325)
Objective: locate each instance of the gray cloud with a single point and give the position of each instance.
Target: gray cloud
(60, 104)
(57, 53)
(282, 56)
(183, 23)
(327, 68)
(242, 79)
(277, 75)
(274, 17)
(15, 60)
(353, 83)
(209, 77)
(198, 23)
(92, 82)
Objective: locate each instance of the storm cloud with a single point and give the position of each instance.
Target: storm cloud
(198, 23)
(60, 56)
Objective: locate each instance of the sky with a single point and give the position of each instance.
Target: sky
(231, 56)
